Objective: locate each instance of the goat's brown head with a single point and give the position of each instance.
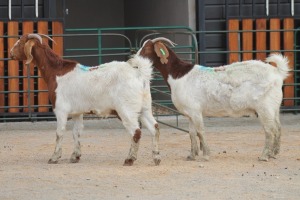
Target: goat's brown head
(156, 50)
(23, 47)
(163, 58)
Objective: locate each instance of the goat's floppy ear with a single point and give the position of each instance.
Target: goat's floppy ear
(27, 50)
(162, 52)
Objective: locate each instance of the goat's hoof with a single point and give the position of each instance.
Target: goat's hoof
(206, 158)
(263, 158)
(128, 162)
(75, 157)
(75, 160)
(156, 161)
(50, 161)
(276, 151)
(190, 158)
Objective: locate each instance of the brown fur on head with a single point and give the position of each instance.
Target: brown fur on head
(161, 52)
(22, 50)
(164, 59)
(155, 51)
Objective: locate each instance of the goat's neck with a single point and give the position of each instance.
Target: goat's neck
(175, 67)
(51, 65)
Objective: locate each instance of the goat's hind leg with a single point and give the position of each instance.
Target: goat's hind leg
(151, 124)
(270, 128)
(131, 124)
(194, 145)
(61, 127)
(77, 129)
(135, 142)
(276, 147)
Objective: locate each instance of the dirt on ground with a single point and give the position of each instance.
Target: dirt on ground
(233, 171)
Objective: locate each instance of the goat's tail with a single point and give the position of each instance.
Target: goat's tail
(143, 65)
(281, 63)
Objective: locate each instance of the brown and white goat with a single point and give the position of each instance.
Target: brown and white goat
(121, 88)
(242, 88)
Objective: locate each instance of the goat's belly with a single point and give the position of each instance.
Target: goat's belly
(223, 112)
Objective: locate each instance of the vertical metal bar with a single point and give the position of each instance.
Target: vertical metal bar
(240, 8)
(278, 6)
(22, 9)
(28, 92)
(253, 6)
(201, 25)
(99, 47)
(292, 7)
(36, 8)
(267, 7)
(226, 10)
(9, 9)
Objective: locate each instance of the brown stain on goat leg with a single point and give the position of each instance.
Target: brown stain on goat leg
(128, 162)
(137, 135)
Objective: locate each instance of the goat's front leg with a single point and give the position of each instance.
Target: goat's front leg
(77, 129)
(194, 146)
(199, 126)
(61, 127)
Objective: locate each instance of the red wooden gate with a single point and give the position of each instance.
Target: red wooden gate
(269, 35)
(24, 95)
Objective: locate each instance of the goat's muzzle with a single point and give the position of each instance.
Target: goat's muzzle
(11, 55)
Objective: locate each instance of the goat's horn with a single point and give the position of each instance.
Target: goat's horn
(46, 36)
(31, 36)
(38, 36)
(165, 40)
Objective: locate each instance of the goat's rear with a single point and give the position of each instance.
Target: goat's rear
(281, 64)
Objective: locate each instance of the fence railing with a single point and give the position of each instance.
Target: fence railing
(24, 97)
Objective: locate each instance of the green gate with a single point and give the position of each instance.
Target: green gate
(127, 42)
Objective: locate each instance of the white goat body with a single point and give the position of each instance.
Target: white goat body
(121, 88)
(237, 91)
(116, 83)
(242, 88)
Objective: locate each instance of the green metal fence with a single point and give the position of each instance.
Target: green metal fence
(131, 39)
